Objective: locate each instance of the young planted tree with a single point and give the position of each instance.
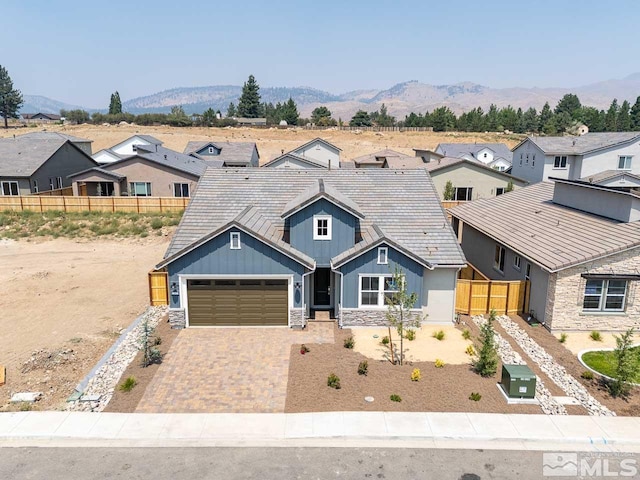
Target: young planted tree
(399, 305)
(115, 105)
(449, 191)
(10, 98)
(249, 104)
(509, 186)
(627, 365)
(486, 363)
(150, 353)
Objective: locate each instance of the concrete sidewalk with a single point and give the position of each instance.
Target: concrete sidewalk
(364, 429)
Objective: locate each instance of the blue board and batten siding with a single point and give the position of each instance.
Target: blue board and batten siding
(343, 231)
(367, 263)
(216, 257)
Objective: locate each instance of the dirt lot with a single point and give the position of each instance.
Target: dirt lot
(272, 141)
(67, 300)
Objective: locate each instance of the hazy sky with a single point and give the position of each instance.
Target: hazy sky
(81, 51)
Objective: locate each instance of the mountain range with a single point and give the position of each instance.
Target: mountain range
(400, 99)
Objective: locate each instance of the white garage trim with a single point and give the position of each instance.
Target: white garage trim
(184, 302)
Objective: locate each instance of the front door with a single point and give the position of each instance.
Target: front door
(322, 287)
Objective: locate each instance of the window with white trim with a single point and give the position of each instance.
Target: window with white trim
(560, 161)
(604, 295)
(376, 290)
(463, 193)
(624, 162)
(9, 188)
(181, 190)
(517, 262)
(383, 255)
(322, 227)
(50, 183)
(58, 182)
(235, 241)
(140, 189)
(498, 262)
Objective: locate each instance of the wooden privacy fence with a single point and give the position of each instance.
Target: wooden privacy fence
(60, 192)
(158, 288)
(477, 297)
(93, 204)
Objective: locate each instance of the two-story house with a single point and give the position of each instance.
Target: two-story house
(125, 148)
(585, 157)
(493, 155)
(230, 154)
(272, 246)
(317, 153)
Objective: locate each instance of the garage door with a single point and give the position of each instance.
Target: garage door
(237, 302)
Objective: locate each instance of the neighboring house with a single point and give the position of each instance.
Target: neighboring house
(82, 143)
(614, 178)
(537, 159)
(494, 155)
(427, 155)
(125, 148)
(272, 246)
(251, 122)
(31, 165)
(577, 243)
(317, 153)
(377, 159)
(153, 171)
(231, 154)
(471, 179)
(40, 117)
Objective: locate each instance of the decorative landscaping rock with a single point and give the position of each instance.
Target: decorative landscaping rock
(509, 356)
(556, 372)
(28, 397)
(105, 380)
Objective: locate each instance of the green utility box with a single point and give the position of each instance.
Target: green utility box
(518, 381)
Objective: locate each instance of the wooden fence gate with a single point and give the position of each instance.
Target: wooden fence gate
(158, 288)
(477, 297)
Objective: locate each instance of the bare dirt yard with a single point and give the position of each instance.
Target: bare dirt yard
(272, 141)
(64, 302)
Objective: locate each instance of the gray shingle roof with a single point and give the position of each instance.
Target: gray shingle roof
(404, 162)
(22, 156)
(320, 190)
(550, 235)
(235, 153)
(446, 162)
(572, 145)
(164, 156)
(607, 175)
(308, 160)
(403, 203)
(378, 157)
(53, 136)
(149, 138)
(460, 149)
(317, 139)
(101, 170)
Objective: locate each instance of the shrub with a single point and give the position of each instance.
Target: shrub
(26, 406)
(475, 396)
(385, 340)
(563, 338)
(470, 351)
(595, 336)
(363, 366)
(626, 365)
(416, 375)
(156, 223)
(395, 398)
(439, 335)
(156, 341)
(587, 375)
(349, 342)
(487, 362)
(466, 334)
(128, 384)
(439, 363)
(410, 335)
(333, 381)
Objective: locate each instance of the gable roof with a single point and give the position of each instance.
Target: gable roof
(608, 175)
(414, 220)
(377, 158)
(21, 157)
(315, 192)
(308, 160)
(583, 144)
(460, 149)
(231, 153)
(100, 170)
(110, 152)
(53, 136)
(49, 116)
(147, 138)
(317, 139)
(448, 162)
(404, 162)
(551, 235)
(251, 221)
(168, 158)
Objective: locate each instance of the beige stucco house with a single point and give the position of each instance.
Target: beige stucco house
(577, 243)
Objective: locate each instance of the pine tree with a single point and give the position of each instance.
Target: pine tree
(611, 117)
(115, 105)
(10, 98)
(322, 116)
(569, 104)
(231, 110)
(249, 103)
(360, 119)
(449, 191)
(492, 118)
(624, 117)
(635, 115)
(626, 365)
(487, 362)
(546, 115)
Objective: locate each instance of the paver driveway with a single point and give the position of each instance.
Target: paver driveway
(235, 370)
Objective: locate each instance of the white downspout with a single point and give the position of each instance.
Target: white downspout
(341, 295)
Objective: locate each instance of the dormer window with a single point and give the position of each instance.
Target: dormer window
(383, 255)
(322, 227)
(235, 241)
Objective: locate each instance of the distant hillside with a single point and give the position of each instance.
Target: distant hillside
(400, 99)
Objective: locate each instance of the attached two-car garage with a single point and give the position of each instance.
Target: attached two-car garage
(237, 303)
